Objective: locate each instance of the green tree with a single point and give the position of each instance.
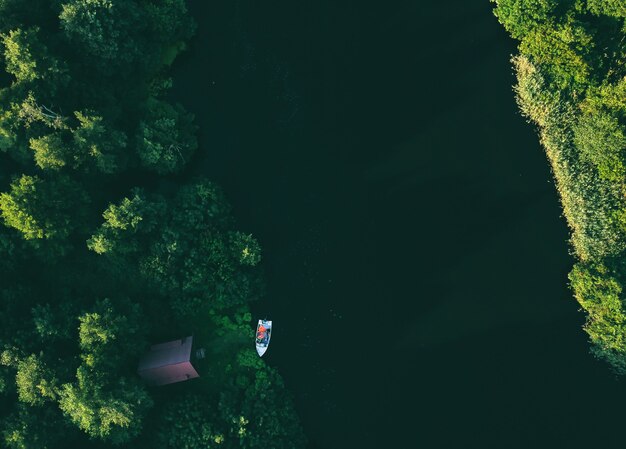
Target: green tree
(97, 141)
(43, 209)
(92, 144)
(165, 139)
(125, 222)
(31, 112)
(169, 25)
(110, 413)
(111, 335)
(169, 21)
(37, 428)
(245, 248)
(107, 30)
(238, 416)
(28, 59)
(54, 322)
(103, 402)
(613, 8)
(191, 424)
(35, 382)
(195, 258)
(599, 292)
(601, 140)
(199, 206)
(520, 17)
(212, 272)
(51, 152)
(8, 130)
(565, 49)
(17, 13)
(185, 251)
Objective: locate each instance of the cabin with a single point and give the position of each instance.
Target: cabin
(169, 362)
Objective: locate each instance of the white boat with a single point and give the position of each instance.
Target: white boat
(263, 334)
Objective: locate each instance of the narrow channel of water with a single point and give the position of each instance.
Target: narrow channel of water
(415, 253)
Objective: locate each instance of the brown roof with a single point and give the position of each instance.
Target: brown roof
(167, 363)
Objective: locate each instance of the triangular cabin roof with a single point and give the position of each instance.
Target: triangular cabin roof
(168, 363)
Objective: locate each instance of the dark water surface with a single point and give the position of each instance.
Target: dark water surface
(415, 253)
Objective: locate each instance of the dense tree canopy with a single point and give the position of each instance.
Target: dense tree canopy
(165, 139)
(94, 270)
(571, 84)
(44, 208)
(238, 420)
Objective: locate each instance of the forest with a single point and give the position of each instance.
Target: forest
(571, 84)
(107, 247)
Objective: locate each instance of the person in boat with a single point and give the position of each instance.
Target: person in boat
(261, 335)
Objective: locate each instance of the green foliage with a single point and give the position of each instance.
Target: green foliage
(35, 428)
(53, 322)
(564, 49)
(589, 202)
(245, 248)
(100, 402)
(104, 29)
(201, 205)
(124, 224)
(599, 292)
(571, 85)
(15, 13)
(250, 412)
(601, 141)
(184, 250)
(43, 209)
(19, 60)
(165, 140)
(8, 134)
(213, 273)
(606, 97)
(28, 59)
(91, 144)
(262, 386)
(190, 424)
(521, 17)
(613, 8)
(95, 140)
(51, 152)
(108, 338)
(111, 413)
(169, 22)
(83, 113)
(35, 382)
(535, 100)
(30, 113)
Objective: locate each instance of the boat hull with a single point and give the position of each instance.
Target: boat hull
(263, 335)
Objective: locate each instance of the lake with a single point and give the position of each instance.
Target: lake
(415, 252)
